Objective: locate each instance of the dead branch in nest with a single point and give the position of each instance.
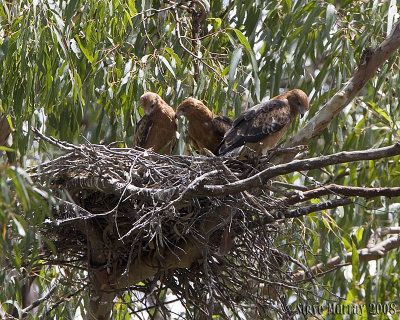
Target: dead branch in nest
(204, 227)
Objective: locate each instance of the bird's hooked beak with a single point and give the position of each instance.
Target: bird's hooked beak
(301, 110)
(178, 114)
(149, 110)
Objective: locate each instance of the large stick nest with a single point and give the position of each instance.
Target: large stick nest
(141, 203)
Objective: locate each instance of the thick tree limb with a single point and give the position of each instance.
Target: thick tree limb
(344, 191)
(259, 179)
(369, 65)
(381, 232)
(366, 254)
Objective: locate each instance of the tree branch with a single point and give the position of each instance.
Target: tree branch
(40, 300)
(342, 190)
(259, 179)
(369, 65)
(366, 254)
(331, 204)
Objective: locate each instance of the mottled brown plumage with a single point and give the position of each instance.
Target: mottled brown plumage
(205, 129)
(157, 128)
(262, 126)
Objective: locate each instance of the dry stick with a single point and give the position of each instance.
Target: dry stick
(77, 213)
(259, 179)
(342, 190)
(331, 204)
(318, 207)
(197, 20)
(366, 254)
(369, 65)
(178, 23)
(246, 194)
(118, 188)
(60, 144)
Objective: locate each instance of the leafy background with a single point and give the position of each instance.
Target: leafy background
(76, 69)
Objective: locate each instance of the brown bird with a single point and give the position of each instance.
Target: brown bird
(157, 128)
(205, 129)
(262, 126)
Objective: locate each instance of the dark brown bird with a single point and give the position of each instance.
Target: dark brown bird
(262, 126)
(205, 129)
(157, 128)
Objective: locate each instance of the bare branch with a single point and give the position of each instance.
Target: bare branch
(331, 204)
(178, 26)
(344, 191)
(318, 207)
(366, 254)
(369, 65)
(116, 187)
(259, 179)
(40, 300)
(381, 232)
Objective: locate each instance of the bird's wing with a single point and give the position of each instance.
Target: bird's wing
(221, 125)
(255, 124)
(142, 131)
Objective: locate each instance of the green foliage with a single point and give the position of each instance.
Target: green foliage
(76, 69)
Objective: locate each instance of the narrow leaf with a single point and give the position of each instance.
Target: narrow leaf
(86, 52)
(236, 56)
(242, 39)
(167, 64)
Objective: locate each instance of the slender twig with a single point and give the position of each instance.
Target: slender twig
(178, 26)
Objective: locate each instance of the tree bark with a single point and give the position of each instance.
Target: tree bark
(335, 189)
(259, 179)
(365, 254)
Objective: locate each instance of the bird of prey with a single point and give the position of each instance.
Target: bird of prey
(262, 126)
(205, 129)
(157, 129)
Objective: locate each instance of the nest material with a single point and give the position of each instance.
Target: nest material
(140, 202)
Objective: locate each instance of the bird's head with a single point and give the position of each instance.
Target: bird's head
(191, 108)
(148, 101)
(298, 100)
